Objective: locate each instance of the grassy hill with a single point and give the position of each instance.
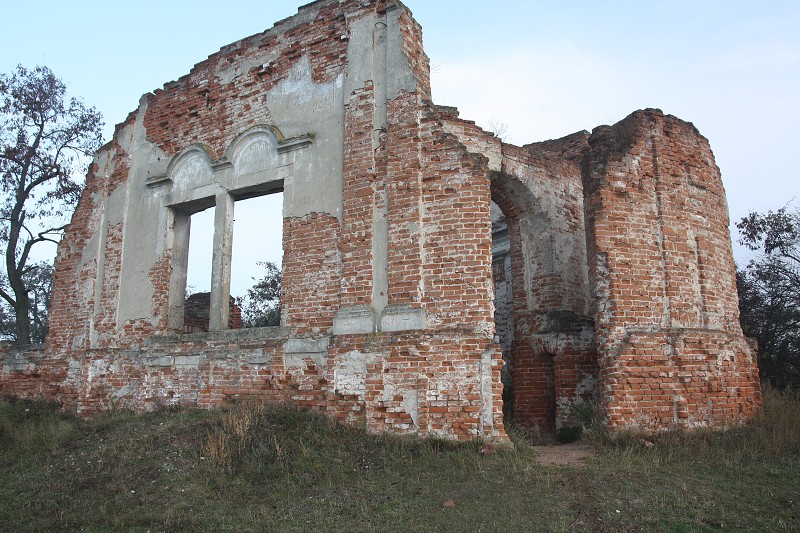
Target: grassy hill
(251, 468)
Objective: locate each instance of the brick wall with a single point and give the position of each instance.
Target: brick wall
(196, 313)
(539, 191)
(311, 279)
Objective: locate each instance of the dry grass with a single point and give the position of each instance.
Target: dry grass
(229, 441)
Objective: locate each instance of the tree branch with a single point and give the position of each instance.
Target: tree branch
(7, 297)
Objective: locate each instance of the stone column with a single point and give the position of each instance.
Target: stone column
(221, 263)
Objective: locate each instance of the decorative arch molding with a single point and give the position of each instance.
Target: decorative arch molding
(256, 132)
(197, 151)
(254, 151)
(197, 154)
(250, 160)
(264, 133)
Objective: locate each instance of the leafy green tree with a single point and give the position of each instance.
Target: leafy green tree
(45, 144)
(769, 293)
(261, 306)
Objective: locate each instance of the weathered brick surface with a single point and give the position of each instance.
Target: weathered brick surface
(538, 188)
(620, 265)
(654, 248)
(311, 278)
(70, 316)
(456, 231)
(362, 191)
(671, 350)
(206, 107)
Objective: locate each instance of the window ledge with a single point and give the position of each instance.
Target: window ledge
(227, 335)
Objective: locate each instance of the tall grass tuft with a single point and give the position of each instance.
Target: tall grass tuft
(776, 429)
(773, 432)
(230, 440)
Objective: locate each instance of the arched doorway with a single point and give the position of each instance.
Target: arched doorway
(529, 394)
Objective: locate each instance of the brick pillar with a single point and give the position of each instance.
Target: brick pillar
(662, 274)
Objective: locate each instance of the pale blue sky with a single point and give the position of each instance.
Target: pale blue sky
(544, 68)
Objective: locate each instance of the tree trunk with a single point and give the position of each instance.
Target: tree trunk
(14, 272)
(23, 321)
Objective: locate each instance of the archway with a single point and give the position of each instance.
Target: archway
(518, 249)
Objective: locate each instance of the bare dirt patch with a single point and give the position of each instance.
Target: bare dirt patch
(574, 454)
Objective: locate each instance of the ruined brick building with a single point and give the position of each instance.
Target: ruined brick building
(612, 270)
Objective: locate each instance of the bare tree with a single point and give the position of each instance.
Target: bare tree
(45, 141)
(498, 128)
